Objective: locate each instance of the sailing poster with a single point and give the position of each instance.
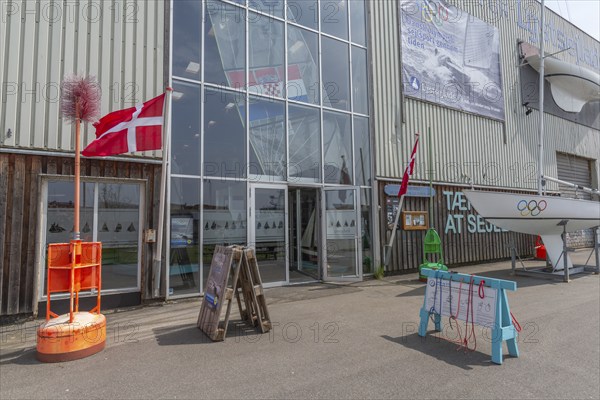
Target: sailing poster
(451, 58)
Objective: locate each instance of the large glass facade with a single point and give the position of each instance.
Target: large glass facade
(266, 92)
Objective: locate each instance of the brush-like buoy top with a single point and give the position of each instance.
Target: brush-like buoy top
(87, 91)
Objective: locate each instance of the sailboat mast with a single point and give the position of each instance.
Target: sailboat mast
(541, 104)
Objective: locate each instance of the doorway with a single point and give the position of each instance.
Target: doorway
(304, 223)
(268, 231)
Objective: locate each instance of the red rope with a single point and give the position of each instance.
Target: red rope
(470, 335)
(481, 291)
(454, 317)
(515, 322)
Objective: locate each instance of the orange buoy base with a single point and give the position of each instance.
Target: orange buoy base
(59, 340)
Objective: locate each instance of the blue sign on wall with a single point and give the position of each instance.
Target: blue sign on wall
(413, 191)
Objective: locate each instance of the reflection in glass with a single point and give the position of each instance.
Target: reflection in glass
(303, 12)
(187, 37)
(342, 230)
(336, 74)
(272, 7)
(337, 136)
(266, 75)
(357, 22)
(305, 235)
(360, 95)
(184, 260)
(225, 220)
(119, 232)
(60, 216)
(362, 151)
(304, 130)
(224, 134)
(267, 138)
(225, 44)
(269, 220)
(185, 129)
(334, 18)
(303, 65)
(366, 234)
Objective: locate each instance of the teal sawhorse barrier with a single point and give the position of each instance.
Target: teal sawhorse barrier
(494, 314)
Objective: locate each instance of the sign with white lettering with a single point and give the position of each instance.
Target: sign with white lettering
(459, 222)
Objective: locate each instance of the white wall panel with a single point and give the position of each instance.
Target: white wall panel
(118, 41)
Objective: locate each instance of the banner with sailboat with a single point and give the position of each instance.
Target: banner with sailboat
(451, 58)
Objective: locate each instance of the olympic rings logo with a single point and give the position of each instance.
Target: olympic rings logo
(531, 207)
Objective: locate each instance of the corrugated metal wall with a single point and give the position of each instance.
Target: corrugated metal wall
(466, 237)
(121, 42)
(575, 170)
(468, 145)
(20, 176)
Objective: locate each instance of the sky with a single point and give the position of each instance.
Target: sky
(585, 14)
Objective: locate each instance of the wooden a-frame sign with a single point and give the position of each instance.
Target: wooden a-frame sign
(245, 283)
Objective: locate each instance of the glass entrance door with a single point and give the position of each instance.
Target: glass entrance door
(341, 225)
(268, 231)
(305, 235)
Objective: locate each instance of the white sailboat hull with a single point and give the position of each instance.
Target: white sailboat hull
(537, 215)
(534, 214)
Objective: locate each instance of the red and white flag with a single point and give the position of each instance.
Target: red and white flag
(134, 129)
(409, 169)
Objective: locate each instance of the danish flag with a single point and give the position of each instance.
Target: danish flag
(409, 169)
(134, 129)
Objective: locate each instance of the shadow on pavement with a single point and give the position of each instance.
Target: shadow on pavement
(442, 350)
(21, 357)
(190, 334)
(414, 292)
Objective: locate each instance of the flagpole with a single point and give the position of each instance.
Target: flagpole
(402, 192)
(76, 232)
(157, 262)
(388, 247)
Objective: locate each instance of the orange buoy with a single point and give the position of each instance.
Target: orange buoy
(60, 340)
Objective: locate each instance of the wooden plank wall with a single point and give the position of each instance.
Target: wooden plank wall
(458, 248)
(19, 216)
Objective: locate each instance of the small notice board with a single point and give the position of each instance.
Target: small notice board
(484, 310)
(415, 220)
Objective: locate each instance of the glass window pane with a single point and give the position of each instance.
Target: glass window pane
(184, 259)
(357, 22)
(304, 12)
(225, 44)
(367, 231)
(360, 95)
(266, 56)
(269, 229)
(342, 230)
(272, 7)
(362, 151)
(60, 216)
(187, 36)
(337, 146)
(225, 217)
(185, 129)
(224, 134)
(119, 232)
(303, 65)
(334, 18)
(336, 74)
(267, 138)
(304, 130)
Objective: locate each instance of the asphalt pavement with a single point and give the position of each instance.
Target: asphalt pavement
(329, 341)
